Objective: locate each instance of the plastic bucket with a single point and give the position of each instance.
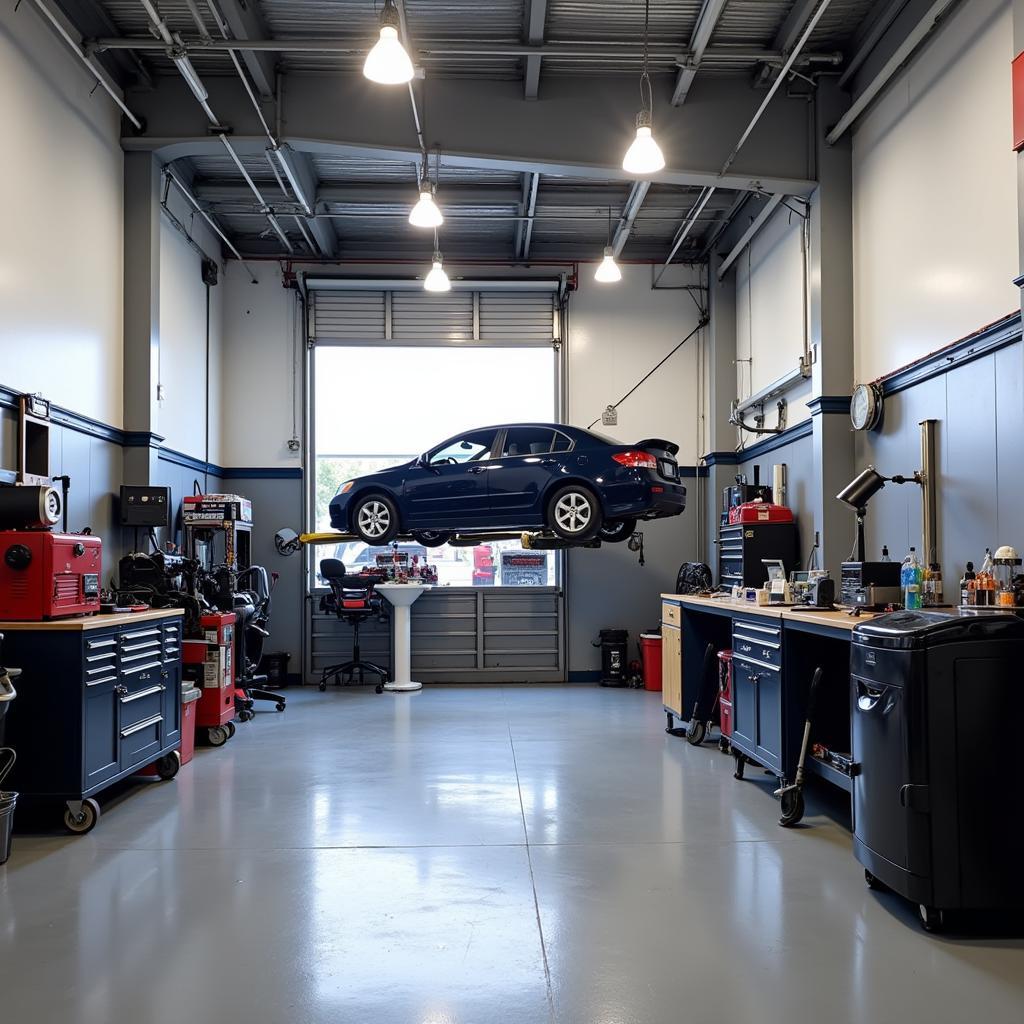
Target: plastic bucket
(650, 651)
(8, 802)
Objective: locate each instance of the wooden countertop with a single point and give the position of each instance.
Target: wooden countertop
(838, 619)
(86, 622)
(725, 604)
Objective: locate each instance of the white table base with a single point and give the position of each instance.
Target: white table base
(402, 667)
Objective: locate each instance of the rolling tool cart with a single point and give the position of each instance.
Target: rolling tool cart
(209, 664)
(937, 814)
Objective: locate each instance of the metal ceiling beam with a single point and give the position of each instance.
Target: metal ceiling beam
(745, 239)
(244, 19)
(629, 213)
(684, 231)
(298, 169)
(796, 21)
(535, 16)
(707, 20)
(723, 223)
(915, 38)
(878, 21)
(530, 210)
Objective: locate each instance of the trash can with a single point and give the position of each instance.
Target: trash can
(650, 651)
(614, 644)
(275, 667)
(189, 705)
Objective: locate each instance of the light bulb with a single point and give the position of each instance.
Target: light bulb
(644, 156)
(608, 270)
(426, 213)
(437, 279)
(388, 63)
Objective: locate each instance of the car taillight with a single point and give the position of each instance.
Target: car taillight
(636, 460)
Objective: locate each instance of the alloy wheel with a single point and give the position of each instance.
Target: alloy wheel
(374, 519)
(573, 512)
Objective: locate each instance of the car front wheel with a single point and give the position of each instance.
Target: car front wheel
(574, 513)
(375, 519)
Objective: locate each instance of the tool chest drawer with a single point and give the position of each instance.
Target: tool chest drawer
(755, 642)
(671, 613)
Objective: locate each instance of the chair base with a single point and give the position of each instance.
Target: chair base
(352, 669)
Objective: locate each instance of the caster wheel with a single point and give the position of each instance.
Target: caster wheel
(669, 722)
(246, 716)
(792, 808)
(231, 729)
(379, 688)
(85, 820)
(932, 919)
(723, 744)
(696, 732)
(323, 686)
(740, 764)
(871, 881)
(217, 736)
(168, 765)
(281, 706)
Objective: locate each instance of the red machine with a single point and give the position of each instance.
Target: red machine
(484, 568)
(47, 575)
(725, 699)
(210, 664)
(759, 512)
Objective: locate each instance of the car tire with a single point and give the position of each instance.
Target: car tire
(431, 538)
(574, 513)
(375, 519)
(615, 531)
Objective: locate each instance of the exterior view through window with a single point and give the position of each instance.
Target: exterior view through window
(380, 406)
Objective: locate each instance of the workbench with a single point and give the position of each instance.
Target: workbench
(99, 699)
(775, 652)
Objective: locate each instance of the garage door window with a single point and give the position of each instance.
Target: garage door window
(379, 406)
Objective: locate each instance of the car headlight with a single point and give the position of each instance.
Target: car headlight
(346, 487)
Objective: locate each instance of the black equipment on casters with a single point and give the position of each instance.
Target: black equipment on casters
(353, 600)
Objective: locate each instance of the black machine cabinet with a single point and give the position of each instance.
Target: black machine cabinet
(938, 816)
(741, 548)
(94, 704)
(758, 696)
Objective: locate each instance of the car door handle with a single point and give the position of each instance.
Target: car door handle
(476, 469)
(549, 462)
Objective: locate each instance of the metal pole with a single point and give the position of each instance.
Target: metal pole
(929, 492)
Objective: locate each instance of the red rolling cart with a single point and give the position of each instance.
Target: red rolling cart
(210, 663)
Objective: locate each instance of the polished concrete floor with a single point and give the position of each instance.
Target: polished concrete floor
(474, 855)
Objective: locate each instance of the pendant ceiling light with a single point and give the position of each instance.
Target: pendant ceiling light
(608, 270)
(426, 213)
(388, 63)
(644, 156)
(437, 279)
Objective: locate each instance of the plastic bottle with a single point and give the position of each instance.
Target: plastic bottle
(910, 581)
(935, 595)
(965, 584)
(885, 554)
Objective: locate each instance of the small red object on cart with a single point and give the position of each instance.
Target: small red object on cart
(759, 512)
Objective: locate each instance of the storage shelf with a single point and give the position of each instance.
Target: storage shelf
(829, 773)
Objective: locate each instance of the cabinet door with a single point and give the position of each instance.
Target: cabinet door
(769, 718)
(744, 703)
(102, 734)
(172, 704)
(672, 669)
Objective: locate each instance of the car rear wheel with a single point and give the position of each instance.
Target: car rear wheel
(615, 531)
(574, 513)
(431, 538)
(375, 519)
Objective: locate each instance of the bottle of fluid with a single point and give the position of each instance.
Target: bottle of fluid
(885, 554)
(910, 581)
(935, 595)
(965, 584)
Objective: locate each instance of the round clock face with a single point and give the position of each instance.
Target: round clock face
(864, 407)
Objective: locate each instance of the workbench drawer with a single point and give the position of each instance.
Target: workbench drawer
(672, 614)
(142, 704)
(141, 741)
(757, 642)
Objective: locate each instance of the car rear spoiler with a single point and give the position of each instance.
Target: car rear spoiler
(660, 443)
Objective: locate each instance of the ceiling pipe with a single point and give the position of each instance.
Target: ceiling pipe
(684, 231)
(63, 28)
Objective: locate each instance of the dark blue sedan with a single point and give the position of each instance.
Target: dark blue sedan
(525, 476)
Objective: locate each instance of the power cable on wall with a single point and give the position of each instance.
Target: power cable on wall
(701, 324)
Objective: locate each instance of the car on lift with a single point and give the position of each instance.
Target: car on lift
(526, 476)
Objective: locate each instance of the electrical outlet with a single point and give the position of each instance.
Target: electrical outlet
(161, 394)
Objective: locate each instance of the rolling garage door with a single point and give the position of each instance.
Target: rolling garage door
(460, 634)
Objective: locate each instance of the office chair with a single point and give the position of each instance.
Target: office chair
(352, 600)
(252, 617)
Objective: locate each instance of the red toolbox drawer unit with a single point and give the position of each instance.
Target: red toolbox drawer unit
(47, 575)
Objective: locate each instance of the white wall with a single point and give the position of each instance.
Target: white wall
(61, 257)
(182, 413)
(617, 333)
(935, 196)
(770, 316)
(261, 358)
